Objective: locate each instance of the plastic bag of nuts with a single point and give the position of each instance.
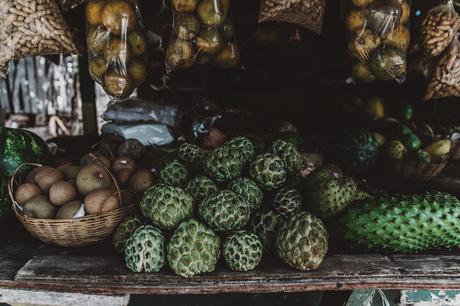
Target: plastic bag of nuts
(306, 13)
(117, 45)
(445, 77)
(203, 32)
(379, 38)
(31, 28)
(439, 29)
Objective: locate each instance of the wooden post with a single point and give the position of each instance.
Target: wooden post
(88, 98)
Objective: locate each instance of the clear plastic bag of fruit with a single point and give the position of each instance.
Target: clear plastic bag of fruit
(203, 33)
(379, 38)
(117, 45)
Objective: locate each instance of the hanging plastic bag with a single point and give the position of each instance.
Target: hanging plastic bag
(445, 78)
(306, 13)
(203, 33)
(31, 28)
(378, 39)
(117, 46)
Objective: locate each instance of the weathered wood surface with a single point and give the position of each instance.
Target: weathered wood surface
(107, 275)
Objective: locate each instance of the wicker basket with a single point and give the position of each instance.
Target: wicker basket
(411, 170)
(84, 231)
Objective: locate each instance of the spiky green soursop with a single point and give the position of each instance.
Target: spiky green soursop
(242, 251)
(174, 174)
(404, 223)
(302, 241)
(268, 171)
(289, 154)
(328, 191)
(193, 249)
(245, 145)
(191, 155)
(145, 250)
(249, 190)
(124, 231)
(287, 201)
(200, 187)
(265, 224)
(166, 206)
(225, 211)
(224, 164)
(292, 137)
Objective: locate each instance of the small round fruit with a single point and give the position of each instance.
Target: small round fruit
(39, 207)
(186, 26)
(97, 40)
(68, 210)
(228, 57)
(137, 43)
(25, 192)
(362, 45)
(362, 3)
(123, 177)
(97, 68)
(209, 41)
(96, 159)
(117, 50)
(117, 85)
(119, 16)
(47, 176)
(399, 38)
(94, 11)
(185, 6)
(101, 200)
(180, 54)
(141, 181)
(123, 163)
(242, 251)
(211, 14)
(61, 193)
(361, 73)
(92, 177)
(356, 20)
(388, 63)
(31, 176)
(137, 71)
(70, 172)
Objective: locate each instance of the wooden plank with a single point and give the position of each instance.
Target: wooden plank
(107, 275)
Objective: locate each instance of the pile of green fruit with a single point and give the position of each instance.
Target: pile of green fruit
(231, 202)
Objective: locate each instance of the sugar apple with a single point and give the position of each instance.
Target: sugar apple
(301, 242)
(200, 187)
(245, 146)
(225, 211)
(145, 250)
(166, 206)
(268, 171)
(287, 201)
(265, 224)
(174, 174)
(124, 231)
(242, 251)
(258, 142)
(191, 155)
(193, 249)
(289, 154)
(292, 137)
(249, 190)
(224, 164)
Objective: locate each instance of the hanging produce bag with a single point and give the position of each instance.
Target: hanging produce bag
(203, 33)
(31, 28)
(117, 45)
(306, 13)
(378, 39)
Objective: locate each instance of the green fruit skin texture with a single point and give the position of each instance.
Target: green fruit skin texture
(249, 190)
(124, 231)
(265, 224)
(302, 242)
(145, 250)
(193, 249)
(287, 201)
(166, 206)
(224, 164)
(174, 174)
(245, 146)
(242, 251)
(411, 141)
(225, 211)
(191, 155)
(404, 223)
(395, 150)
(289, 154)
(292, 137)
(200, 187)
(423, 157)
(268, 171)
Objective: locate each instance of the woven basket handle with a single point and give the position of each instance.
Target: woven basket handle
(12, 181)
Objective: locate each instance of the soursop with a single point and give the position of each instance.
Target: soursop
(200, 187)
(245, 146)
(242, 251)
(301, 242)
(404, 223)
(268, 171)
(265, 224)
(249, 190)
(124, 231)
(174, 174)
(145, 250)
(166, 206)
(287, 201)
(224, 164)
(191, 155)
(289, 154)
(225, 211)
(328, 191)
(193, 249)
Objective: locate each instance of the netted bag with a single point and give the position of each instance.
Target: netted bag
(379, 38)
(203, 33)
(117, 46)
(31, 28)
(445, 77)
(306, 13)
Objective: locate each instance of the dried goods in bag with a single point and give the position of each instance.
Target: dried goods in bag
(31, 28)
(117, 46)
(379, 38)
(203, 33)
